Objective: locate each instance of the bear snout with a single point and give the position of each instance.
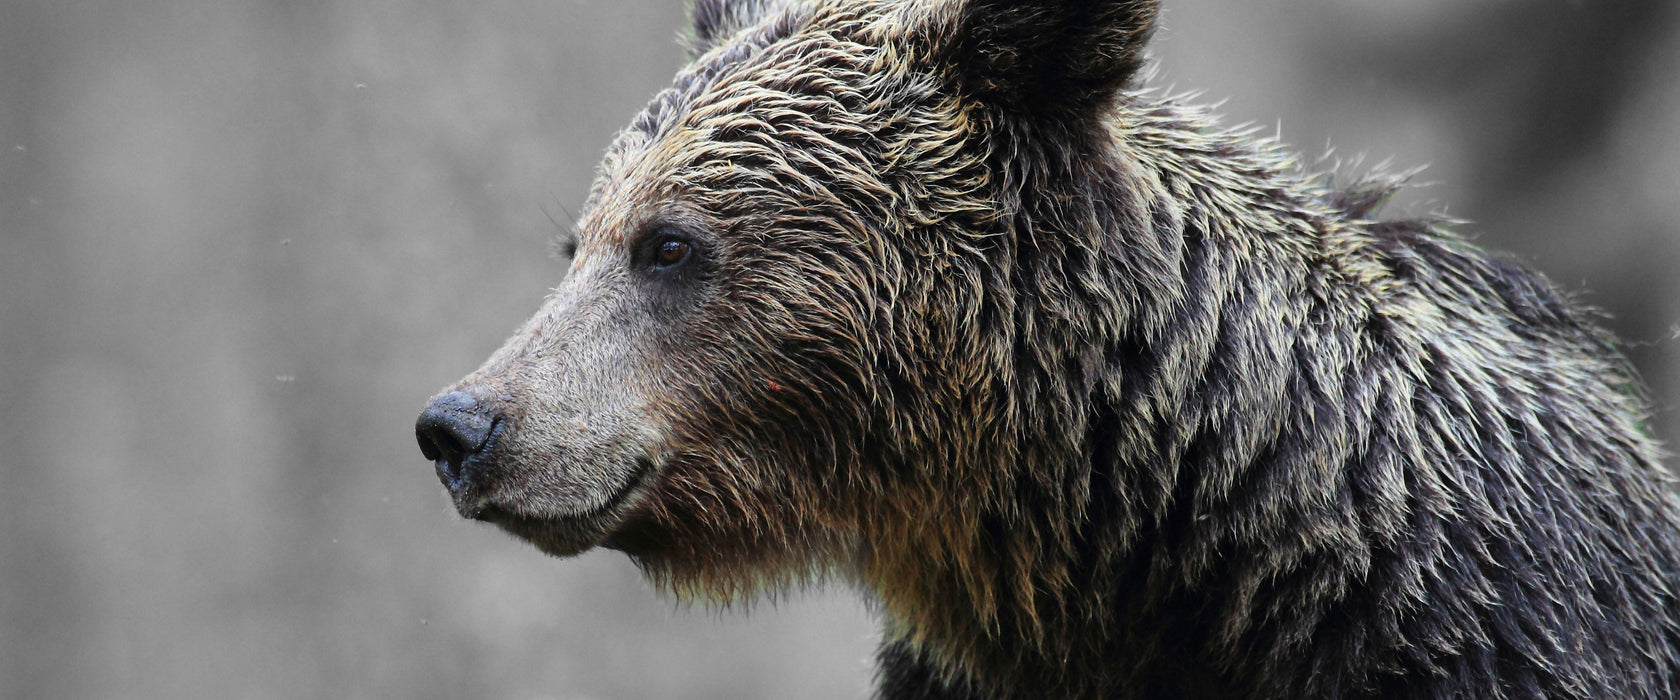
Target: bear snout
(453, 431)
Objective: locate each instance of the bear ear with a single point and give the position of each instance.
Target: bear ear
(713, 21)
(1057, 58)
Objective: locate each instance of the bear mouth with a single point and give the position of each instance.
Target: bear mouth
(573, 533)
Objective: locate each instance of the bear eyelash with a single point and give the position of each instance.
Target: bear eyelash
(563, 248)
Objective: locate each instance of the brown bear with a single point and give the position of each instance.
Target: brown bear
(1094, 398)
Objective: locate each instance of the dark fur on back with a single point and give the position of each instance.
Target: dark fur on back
(1200, 425)
(1099, 399)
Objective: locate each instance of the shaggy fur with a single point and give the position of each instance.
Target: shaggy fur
(1096, 398)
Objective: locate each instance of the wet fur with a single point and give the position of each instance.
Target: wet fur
(1099, 399)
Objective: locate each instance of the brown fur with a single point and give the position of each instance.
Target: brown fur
(1096, 398)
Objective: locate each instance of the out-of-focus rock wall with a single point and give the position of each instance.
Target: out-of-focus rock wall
(241, 242)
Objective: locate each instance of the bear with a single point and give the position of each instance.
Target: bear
(1091, 396)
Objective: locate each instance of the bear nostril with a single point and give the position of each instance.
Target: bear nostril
(452, 429)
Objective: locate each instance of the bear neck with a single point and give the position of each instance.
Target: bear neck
(1160, 331)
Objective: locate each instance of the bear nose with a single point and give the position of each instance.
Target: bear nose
(452, 430)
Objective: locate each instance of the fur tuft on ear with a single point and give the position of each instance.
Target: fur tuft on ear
(713, 21)
(1057, 58)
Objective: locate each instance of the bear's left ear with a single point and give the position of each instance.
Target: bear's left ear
(1055, 58)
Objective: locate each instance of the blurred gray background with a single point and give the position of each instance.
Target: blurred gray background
(242, 241)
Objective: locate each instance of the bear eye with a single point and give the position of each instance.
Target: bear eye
(665, 249)
(670, 251)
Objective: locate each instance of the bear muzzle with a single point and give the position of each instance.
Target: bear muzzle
(563, 494)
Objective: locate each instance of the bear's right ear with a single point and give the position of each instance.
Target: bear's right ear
(713, 21)
(1055, 58)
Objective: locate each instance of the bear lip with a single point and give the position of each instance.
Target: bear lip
(570, 534)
